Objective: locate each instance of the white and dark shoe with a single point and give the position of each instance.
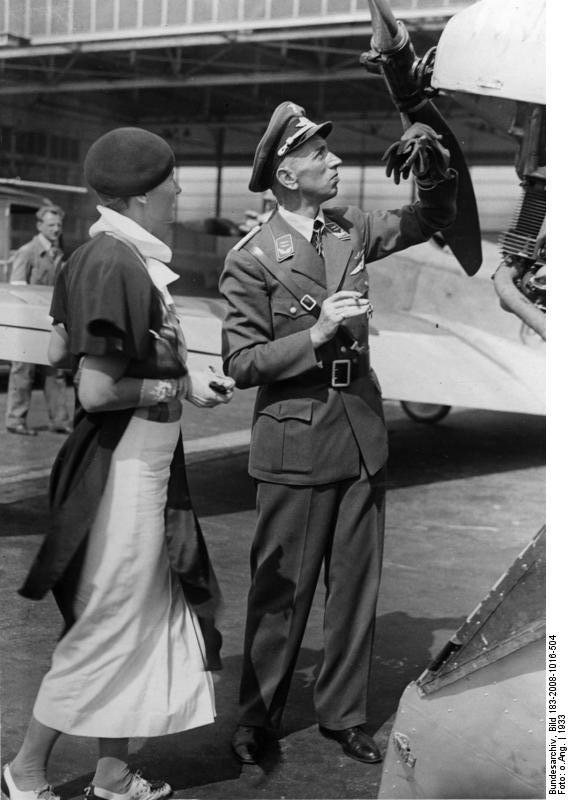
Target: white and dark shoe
(22, 430)
(140, 789)
(11, 792)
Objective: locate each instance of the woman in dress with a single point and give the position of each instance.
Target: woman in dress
(124, 555)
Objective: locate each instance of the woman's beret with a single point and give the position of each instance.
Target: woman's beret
(128, 161)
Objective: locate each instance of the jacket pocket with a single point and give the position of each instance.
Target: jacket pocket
(289, 316)
(281, 440)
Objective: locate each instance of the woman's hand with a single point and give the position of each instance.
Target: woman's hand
(203, 394)
(104, 387)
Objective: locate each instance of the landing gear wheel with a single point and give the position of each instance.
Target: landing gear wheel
(427, 413)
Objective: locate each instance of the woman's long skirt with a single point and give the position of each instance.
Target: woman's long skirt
(132, 664)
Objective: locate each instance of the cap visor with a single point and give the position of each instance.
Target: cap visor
(323, 129)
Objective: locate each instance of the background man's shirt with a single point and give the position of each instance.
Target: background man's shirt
(37, 262)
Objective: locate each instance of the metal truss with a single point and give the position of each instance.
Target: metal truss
(226, 75)
(262, 49)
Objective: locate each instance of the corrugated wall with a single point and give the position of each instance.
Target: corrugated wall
(53, 18)
(497, 190)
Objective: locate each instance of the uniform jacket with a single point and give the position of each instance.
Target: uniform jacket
(304, 431)
(34, 264)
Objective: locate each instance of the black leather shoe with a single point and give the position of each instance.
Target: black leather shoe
(247, 743)
(355, 743)
(22, 429)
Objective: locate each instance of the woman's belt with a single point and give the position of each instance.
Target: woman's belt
(162, 412)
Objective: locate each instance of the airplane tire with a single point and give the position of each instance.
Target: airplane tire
(426, 413)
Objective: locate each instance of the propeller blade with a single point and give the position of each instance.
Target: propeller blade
(464, 236)
(386, 33)
(392, 48)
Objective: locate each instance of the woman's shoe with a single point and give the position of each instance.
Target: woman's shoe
(140, 789)
(11, 791)
(22, 429)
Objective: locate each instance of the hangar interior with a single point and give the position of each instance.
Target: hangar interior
(206, 75)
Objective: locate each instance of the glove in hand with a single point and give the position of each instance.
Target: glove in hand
(419, 149)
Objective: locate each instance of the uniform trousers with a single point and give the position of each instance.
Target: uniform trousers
(299, 529)
(19, 396)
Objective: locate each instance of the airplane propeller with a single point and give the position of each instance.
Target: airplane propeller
(407, 77)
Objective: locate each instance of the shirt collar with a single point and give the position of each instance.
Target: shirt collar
(125, 228)
(304, 225)
(44, 242)
(153, 250)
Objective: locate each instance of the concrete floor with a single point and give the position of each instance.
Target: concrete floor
(465, 497)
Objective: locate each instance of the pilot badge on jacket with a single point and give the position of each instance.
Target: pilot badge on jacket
(360, 265)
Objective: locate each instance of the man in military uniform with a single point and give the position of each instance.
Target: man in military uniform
(297, 327)
(38, 262)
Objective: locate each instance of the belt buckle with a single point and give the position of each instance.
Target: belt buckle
(340, 373)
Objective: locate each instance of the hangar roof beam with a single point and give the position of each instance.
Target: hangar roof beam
(193, 81)
(356, 21)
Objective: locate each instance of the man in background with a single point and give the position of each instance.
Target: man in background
(37, 263)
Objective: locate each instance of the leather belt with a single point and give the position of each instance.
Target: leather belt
(341, 372)
(162, 412)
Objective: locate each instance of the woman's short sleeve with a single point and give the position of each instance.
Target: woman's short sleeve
(105, 299)
(58, 308)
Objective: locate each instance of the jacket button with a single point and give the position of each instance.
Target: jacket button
(342, 349)
(293, 309)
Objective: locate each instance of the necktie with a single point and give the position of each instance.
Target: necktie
(317, 236)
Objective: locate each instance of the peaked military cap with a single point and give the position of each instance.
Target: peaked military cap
(287, 130)
(128, 161)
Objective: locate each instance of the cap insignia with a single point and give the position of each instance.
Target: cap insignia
(303, 125)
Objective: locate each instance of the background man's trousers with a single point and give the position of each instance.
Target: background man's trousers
(19, 396)
(300, 527)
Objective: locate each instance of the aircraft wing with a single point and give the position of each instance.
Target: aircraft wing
(436, 336)
(421, 359)
(442, 337)
(25, 325)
